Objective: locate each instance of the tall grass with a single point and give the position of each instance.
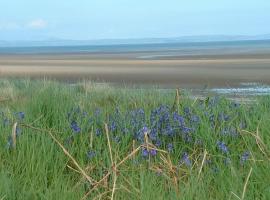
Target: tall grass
(64, 150)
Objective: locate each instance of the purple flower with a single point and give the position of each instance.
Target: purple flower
(244, 157)
(170, 147)
(98, 132)
(186, 130)
(145, 152)
(158, 143)
(179, 119)
(223, 117)
(222, 146)
(153, 152)
(117, 139)
(9, 142)
(195, 119)
(242, 125)
(185, 159)
(112, 126)
(18, 131)
(145, 130)
(97, 112)
(75, 128)
(187, 110)
(21, 115)
(91, 154)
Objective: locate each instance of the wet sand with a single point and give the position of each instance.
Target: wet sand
(183, 71)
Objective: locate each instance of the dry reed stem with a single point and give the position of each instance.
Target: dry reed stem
(112, 162)
(40, 117)
(114, 184)
(14, 134)
(89, 179)
(124, 179)
(109, 144)
(246, 182)
(91, 138)
(235, 195)
(73, 169)
(149, 146)
(259, 141)
(204, 157)
(109, 173)
(176, 99)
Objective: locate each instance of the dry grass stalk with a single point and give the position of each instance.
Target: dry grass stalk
(203, 161)
(259, 141)
(176, 99)
(235, 195)
(88, 178)
(109, 144)
(109, 173)
(14, 128)
(246, 182)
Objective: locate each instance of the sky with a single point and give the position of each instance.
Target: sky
(117, 19)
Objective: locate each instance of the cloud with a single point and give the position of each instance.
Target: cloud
(37, 24)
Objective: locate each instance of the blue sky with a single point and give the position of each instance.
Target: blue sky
(100, 19)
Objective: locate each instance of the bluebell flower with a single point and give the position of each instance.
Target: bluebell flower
(179, 119)
(9, 142)
(18, 131)
(185, 160)
(117, 139)
(244, 157)
(229, 131)
(112, 126)
(169, 131)
(124, 130)
(84, 114)
(222, 147)
(170, 147)
(75, 128)
(97, 112)
(153, 134)
(98, 132)
(195, 119)
(145, 152)
(223, 117)
(21, 115)
(186, 130)
(158, 143)
(153, 152)
(187, 111)
(242, 125)
(91, 154)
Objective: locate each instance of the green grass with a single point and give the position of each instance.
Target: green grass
(38, 168)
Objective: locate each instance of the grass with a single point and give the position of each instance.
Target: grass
(90, 141)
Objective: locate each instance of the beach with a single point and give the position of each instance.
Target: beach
(142, 68)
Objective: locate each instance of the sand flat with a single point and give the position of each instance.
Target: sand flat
(184, 71)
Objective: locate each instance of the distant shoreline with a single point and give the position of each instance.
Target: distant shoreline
(170, 65)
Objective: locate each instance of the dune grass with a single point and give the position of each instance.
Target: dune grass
(90, 141)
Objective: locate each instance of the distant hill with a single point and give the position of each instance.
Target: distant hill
(183, 39)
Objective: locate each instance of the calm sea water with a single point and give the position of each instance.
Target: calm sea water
(167, 49)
